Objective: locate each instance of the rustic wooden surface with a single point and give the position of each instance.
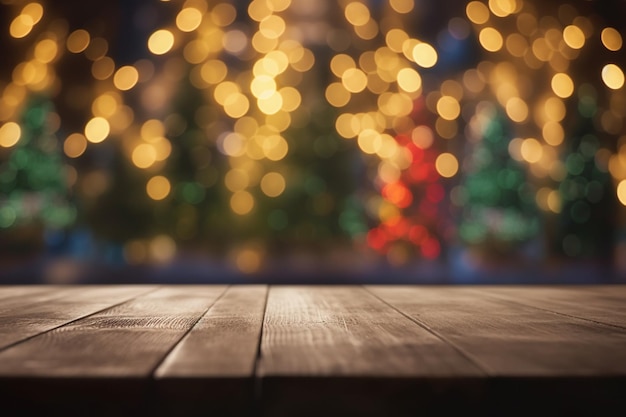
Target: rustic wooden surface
(313, 350)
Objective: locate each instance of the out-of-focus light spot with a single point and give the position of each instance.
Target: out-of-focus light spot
(340, 63)
(33, 10)
(517, 109)
(424, 55)
(613, 76)
(161, 42)
(402, 6)
(621, 192)
(398, 194)
(562, 85)
(354, 80)
(369, 141)
(162, 249)
(224, 90)
(574, 37)
(409, 80)
(21, 26)
(291, 98)
(213, 71)
(75, 145)
(97, 129)
(237, 180)
(273, 184)
(554, 109)
(241, 202)
(78, 41)
(553, 133)
(490, 39)
(611, 39)
(158, 187)
(103, 68)
(447, 165)
(144, 155)
(502, 8)
(554, 201)
(98, 47)
(105, 105)
(126, 78)
(235, 41)
(223, 14)
(270, 104)
(347, 125)
(188, 19)
(232, 144)
(477, 12)
(448, 108)
(10, 134)
(531, 150)
(395, 38)
(357, 13)
(422, 136)
(272, 27)
(248, 261)
(46, 50)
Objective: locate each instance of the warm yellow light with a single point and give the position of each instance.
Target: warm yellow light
(448, 108)
(78, 41)
(97, 129)
(263, 86)
(490, 39)
(144, 155)
(611, 39)
(357, 13)
(531, 150)
(46, 50)
(21, 26)
(103, 68)
(75, 145)
(34, 11)
(354, 80)
(337, 95)
(613, 76)
(370, 141)
(291, 99)
(395, 39)
(502, 8)
(10, 134)
(477, 12)
(554, 109)
(402, 6)
(516, 109)
(158, 187)
(224, 90)
(621, 192)
(273, 184)
(270, 104)
(447, 165)
(236, 105)
(424, 55)
(125, 78)
(574, 37)
(213, 71)
(347, 125)
(241, 202)
(562, 85)
(272, 27)
(340, 63)
(223, 14)
(161, 42)
(248, 261)
(553, 133)
(409, 80)
(188, 19)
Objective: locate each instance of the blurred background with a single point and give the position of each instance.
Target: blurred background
(316, 141)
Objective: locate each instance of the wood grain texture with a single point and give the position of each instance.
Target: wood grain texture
(337, 351)
(102, 364)
(211, 371)
(606, 305)
(41, 311)
(8, 292)
(126, 340)
(512, 339)
(344, 331)
(224, 343)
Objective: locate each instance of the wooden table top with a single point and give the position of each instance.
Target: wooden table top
(312, 350)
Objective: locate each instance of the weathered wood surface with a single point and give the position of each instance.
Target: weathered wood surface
(309, 351)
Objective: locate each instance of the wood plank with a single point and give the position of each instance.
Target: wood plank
(218, 356)
(7, 292)
(21, 297)
(45, 311)
(341, 351)
(603, 305)
(566, 365)
(105, 360)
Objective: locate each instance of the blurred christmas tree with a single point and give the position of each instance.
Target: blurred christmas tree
(34, 192)
(498, 213)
